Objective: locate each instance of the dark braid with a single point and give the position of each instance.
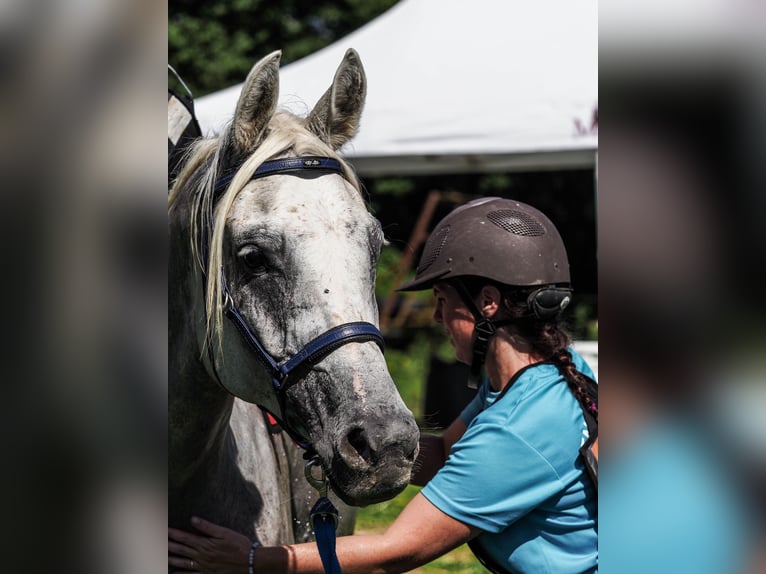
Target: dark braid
(576, 381)
(549, 339)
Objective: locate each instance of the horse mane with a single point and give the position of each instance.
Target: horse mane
(286, 136)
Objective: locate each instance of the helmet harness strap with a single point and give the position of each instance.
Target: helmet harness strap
(483, 329)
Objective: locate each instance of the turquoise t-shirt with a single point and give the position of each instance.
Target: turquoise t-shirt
(516, 474)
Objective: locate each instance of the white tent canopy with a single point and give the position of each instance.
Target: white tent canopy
(459, 85)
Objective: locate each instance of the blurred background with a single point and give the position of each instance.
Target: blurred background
(681, 198)
(661, 213)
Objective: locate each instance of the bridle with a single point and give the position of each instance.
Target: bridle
(292, 370)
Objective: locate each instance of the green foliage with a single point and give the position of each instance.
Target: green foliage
(409, 369)
(388, 265)
(214, 43)
(442, 348)
(394, 186)
(494, 183)
(583, 322)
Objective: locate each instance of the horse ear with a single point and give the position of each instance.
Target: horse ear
(335, 118)
(257, 102)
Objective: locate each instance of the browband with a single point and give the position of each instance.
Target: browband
(285, 165)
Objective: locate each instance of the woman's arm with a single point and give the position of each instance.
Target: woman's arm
(421, 533)
(434, 450)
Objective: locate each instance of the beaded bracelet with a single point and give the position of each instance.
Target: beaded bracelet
(255, 545)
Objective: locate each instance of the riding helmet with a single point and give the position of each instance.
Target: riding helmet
(499, 239)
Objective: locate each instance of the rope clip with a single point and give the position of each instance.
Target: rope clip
(319, 483)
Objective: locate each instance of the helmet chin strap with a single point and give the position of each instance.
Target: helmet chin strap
(483, 330)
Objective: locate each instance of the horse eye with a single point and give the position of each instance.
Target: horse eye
(253, 259)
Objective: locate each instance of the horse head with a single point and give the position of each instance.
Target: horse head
(288, 255)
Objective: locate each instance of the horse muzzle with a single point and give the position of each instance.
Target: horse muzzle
(373, 461)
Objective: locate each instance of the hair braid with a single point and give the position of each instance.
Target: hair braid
(575, 380)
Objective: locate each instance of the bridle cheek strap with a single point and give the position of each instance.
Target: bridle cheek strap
(483, 329)
(287, 373)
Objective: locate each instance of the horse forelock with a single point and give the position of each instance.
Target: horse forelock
(208, 160)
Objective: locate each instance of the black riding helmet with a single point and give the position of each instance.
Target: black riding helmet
(502, 240)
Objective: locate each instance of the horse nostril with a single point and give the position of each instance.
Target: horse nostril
(357, 438)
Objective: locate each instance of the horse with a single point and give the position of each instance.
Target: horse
(272, 309)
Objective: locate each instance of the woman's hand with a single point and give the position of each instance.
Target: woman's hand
(216, 550)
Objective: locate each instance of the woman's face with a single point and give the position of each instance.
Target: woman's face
(457, 319)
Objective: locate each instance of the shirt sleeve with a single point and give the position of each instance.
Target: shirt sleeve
(492, 478)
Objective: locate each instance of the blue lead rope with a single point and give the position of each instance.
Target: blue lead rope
(324, 517)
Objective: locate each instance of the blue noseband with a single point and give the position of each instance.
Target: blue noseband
(292, 370)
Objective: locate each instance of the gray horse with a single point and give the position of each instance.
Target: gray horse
(295, 255)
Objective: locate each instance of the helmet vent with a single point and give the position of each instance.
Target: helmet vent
(516, 222)
(434, 247)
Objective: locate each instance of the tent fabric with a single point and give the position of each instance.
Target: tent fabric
(459, 85)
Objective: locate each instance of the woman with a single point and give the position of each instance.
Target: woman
(506, 476)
